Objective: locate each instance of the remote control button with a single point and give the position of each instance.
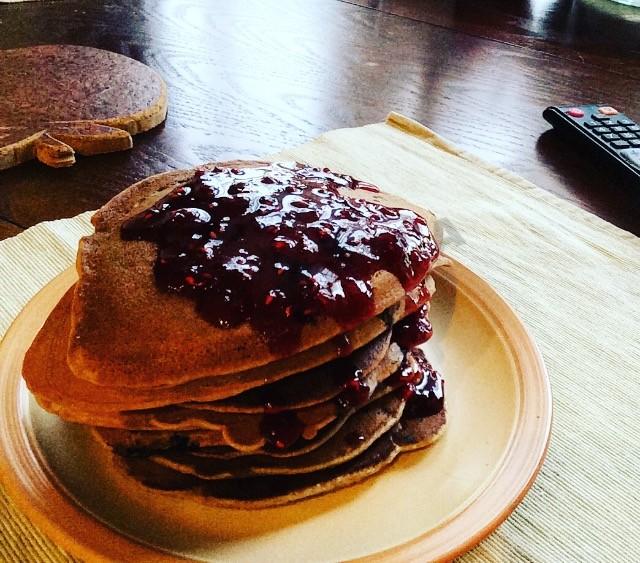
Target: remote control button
(628, 135)
(601, 130)
(591, 124)
(634, 128)
(575, 112)
(611, 136)
(619, 129)
(601, 118)
(634, 142)
(632, 156)
(620, 144)
(625, 122)
(608, 110)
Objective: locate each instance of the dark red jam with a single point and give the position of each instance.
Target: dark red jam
(416, 298)
(355, 391)
(413, 330)
(278, 246)
(421, 386)
(281, 430)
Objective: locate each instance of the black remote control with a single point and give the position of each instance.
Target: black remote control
(609, 134)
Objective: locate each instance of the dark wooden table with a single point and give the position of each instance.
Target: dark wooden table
(249, 78)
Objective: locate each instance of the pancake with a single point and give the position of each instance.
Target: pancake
(158, 355)
(244, 432)
(356, 435)
(127, 332)
(277, 490)
(213, 444)
(316, 386)
(146, 442)
(226, 442)
(52, 382)
(308, 388)
(248, 335)
(203, 443)
(416, 378)
(301, 447)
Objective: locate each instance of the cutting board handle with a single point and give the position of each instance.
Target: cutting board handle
(57, 145)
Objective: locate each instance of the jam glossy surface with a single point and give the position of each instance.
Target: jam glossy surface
(421, 386)
(282, 428)
(355, 391)
(278, 246)
(413, 330)
(419, 296)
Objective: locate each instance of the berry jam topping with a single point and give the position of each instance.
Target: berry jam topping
(355, 391)
(413, 330)
(282, 427)
(419, 296)
(281, 430)
(420, 385)
(278, 246)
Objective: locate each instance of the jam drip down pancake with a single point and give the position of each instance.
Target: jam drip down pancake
(248, 333)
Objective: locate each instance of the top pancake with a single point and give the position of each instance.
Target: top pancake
(126, 332)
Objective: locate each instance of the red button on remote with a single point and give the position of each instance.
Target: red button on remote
(575, 112)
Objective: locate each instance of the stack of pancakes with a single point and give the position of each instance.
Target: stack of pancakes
(246, 333)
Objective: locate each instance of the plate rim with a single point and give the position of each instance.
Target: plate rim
(470, 516)
(473, 523)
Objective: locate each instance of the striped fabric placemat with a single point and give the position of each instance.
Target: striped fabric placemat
(573, 278)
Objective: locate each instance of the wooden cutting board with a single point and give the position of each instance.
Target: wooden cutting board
(58, 100)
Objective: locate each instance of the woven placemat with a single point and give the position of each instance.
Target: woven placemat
(574, 280)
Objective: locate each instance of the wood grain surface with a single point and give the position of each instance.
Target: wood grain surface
(249, 78)
(8, 229)
(598, 32)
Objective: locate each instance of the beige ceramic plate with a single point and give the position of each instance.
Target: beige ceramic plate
(430, 505)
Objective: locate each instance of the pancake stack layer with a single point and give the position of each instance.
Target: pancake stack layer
(246, 333)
